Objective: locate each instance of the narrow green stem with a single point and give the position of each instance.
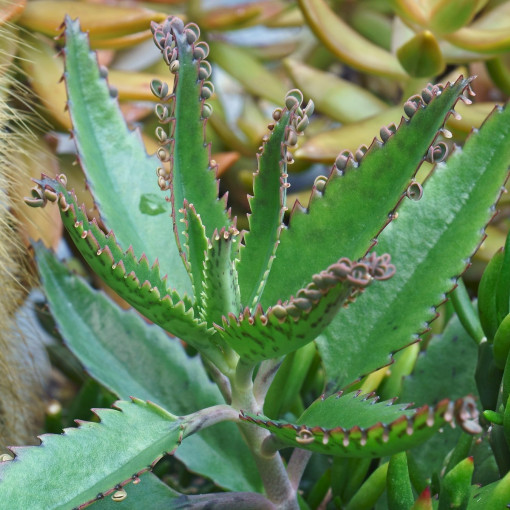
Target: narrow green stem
(271, 468)
(226, 501)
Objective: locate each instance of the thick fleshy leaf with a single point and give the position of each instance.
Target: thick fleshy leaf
(71, 469)
(421, 56)
(285, 327)
(133, 279)
(323, 147)
(431, 241)
(187, 169)
(340, 99)
(100, 20)
(347, 44)
(118, 347)
(356, 425)
(113, 158)
(359, 197)
(448, 16)
(248, 70)
(488, 34)
(267, 204)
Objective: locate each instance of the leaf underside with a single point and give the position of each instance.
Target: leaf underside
(356, 425)
(358, 200)
(430, 244)
(71, 469)
(107, 150)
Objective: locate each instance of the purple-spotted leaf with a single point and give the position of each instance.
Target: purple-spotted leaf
(287, 326)
(356, 425)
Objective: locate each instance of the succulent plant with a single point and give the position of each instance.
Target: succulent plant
(251, 303)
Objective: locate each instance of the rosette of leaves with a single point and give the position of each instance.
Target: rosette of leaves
(245, 300)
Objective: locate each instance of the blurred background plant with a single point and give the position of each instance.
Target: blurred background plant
(358, 60)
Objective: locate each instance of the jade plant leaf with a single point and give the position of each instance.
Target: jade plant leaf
(431, 241)
(359, 197)
(117, 346)
(287, 326)
(112, 157)
(356, 425)
(88, 462)
(346, 43)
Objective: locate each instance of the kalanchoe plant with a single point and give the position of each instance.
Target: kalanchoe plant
(245, 300)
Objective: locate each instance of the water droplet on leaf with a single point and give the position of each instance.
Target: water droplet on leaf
(152, 204)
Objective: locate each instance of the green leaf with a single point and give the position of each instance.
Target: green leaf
(421, 56)
(356, 202)
(398, 485)
(71, 469)
(287, 326)
(445, 370)
(430, 242)
(456, 485)
(466, 312)
(134, 280)
(117, 348)
(356, 425)
(487, 295)
(184, 153)
(346, 44)
(267, 208)
(221, 291)
(150, 488)
(195, 251)
(113, 158)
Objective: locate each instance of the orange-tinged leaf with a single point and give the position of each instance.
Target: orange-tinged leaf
(135, 86)
(44, 70)
(488, 34)
(100, 20)
(118, 43)
(11, 11)
(347, 44)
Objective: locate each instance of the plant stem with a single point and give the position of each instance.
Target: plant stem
(271, 468)
(225, 501)
(264, 378)
(221, 380)
(296, 466)
(210, 416)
